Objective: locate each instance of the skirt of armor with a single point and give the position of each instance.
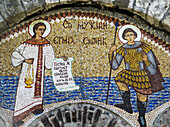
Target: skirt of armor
(138, 80)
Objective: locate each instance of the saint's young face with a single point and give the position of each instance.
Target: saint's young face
(40, 31)
(129, 36)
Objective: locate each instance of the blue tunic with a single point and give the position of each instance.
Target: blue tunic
(138, 74)
(119, 57)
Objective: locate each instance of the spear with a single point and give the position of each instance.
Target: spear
(116, 25)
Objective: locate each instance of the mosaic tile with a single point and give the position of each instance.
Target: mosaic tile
(87, 37)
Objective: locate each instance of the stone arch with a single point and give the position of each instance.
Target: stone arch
(3, 121)
(162, 119)
(156, 36)
(79, 113)
(155, 13)
(161, 116)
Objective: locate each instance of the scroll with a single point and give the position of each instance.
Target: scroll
(62, 75)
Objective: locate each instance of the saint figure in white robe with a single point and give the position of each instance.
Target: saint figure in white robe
(34, 55)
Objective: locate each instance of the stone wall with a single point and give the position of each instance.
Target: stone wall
(85, 106)
(154, 12)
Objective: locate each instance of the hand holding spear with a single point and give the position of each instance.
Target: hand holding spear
(112, 49)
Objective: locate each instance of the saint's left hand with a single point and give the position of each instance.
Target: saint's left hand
(144, 56)
(65, 58)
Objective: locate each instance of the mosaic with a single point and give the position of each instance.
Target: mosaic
(114, 61)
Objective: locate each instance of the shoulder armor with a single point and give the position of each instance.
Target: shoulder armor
(146, 48)
(121, 51)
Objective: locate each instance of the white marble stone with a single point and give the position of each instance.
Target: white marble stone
(51, 1)
(158, 8)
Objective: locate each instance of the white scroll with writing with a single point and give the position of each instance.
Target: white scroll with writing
(62, 75)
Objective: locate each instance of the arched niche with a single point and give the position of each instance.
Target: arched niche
(85, 34)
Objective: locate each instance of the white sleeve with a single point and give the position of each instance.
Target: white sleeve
(49, 57)
(17, 57)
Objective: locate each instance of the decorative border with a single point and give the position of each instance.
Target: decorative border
(84, 14)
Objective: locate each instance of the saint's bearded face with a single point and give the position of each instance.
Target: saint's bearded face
(129, 36)
(40, 31)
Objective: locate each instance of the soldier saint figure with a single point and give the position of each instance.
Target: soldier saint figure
(141, 71)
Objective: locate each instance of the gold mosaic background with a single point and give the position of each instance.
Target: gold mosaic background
(90, 60)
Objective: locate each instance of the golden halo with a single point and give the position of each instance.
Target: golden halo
(47, 31)
(136, 29)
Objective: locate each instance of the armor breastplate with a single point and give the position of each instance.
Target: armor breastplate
(133, 57)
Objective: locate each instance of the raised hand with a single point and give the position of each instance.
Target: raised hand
(112, 49)
(144, 56)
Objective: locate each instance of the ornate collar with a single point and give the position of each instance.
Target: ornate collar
(33, 41)
(137, 44)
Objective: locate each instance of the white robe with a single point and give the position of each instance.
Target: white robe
(26, 101)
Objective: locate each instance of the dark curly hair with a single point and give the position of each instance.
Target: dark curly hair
(36, 27)
(128, 30)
